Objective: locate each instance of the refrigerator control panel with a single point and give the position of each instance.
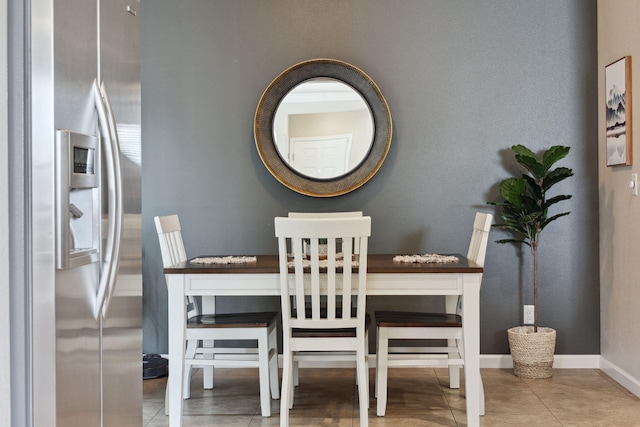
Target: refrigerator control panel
(77, 199)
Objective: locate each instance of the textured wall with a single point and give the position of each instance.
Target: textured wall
(464, 81)
(618, 35)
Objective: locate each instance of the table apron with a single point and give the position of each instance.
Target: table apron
(232, 284)
(377, 284)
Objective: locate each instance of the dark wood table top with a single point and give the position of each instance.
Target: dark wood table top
(376, 263)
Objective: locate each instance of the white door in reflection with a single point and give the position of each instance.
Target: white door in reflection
(321, 156)
(328, 118)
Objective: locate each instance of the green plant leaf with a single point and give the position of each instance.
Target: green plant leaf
(555, 200)
(533, 187)
(531, 164)
(553, 155)
(530, 205)
(553, 218)
(521, 150)
(512, 241)
(512, 190)
(555, 176)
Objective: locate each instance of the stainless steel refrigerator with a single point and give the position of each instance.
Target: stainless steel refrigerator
(83, 118)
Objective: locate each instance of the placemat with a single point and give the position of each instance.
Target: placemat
(224, 260)
(426, 258)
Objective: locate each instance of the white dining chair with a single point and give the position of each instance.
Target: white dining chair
(259, 326)
(356, 249)
(399, 325)
(320, 322)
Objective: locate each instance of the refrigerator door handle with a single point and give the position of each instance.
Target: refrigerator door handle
(114, 197)
(117, 166)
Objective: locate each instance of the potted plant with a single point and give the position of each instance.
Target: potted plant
(525, 205)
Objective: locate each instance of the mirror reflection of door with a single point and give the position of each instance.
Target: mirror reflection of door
(321, 112)
(322, 156)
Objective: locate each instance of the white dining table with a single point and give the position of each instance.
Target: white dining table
(384, 277)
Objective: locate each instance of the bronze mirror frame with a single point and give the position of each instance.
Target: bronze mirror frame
(281, 86)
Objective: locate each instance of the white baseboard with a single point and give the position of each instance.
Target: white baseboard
(487, 361)
(564, 361)
(504, 361)
(620, 376)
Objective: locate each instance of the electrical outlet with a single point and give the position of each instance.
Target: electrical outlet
(528, 315)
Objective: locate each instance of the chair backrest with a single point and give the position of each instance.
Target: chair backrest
(478, 245)
(170, 236)
(324, 214)
(335, 284)
(480, 238)
(172, 249)
(356, 249)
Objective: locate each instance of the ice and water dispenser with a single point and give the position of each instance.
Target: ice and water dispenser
(77, 199)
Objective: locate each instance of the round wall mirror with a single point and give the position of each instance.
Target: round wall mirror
(322, 128)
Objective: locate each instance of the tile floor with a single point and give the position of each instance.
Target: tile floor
(417, 397)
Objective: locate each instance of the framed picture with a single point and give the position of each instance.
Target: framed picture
(618, 108)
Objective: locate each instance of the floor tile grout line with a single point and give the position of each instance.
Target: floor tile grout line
(446, 399)
(161, 410)
(553, 414)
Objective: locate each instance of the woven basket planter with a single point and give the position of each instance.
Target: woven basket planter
(532, 353)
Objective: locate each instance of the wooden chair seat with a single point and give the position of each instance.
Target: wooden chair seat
(328, 333)
(324, 333)
(401, 319)
(233, 320)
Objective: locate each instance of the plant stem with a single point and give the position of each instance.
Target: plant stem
(534, 251)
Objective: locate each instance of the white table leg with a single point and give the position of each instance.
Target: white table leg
(471, 338)
(177, 318)
(382, 370)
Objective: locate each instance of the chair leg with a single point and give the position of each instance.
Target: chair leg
(381, 370)
(263, 369)
(296, 373)
(375, 391)
(454, 370)
(481, 397)
(363, 391)
(292, 395)
(166, 399)
(207, 371)
(366, 364)
(273, 364)
(287, 386)
(190, 353)
(207, 305)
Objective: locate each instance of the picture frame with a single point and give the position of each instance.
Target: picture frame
(618, 112)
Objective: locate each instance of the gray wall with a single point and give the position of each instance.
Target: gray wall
(465, 80)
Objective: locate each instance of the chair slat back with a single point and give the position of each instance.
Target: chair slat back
(172, 249)
(170, 236)
(350, 214)
(478, 244)
(320, 286)
(480, 238)
(324, 214)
